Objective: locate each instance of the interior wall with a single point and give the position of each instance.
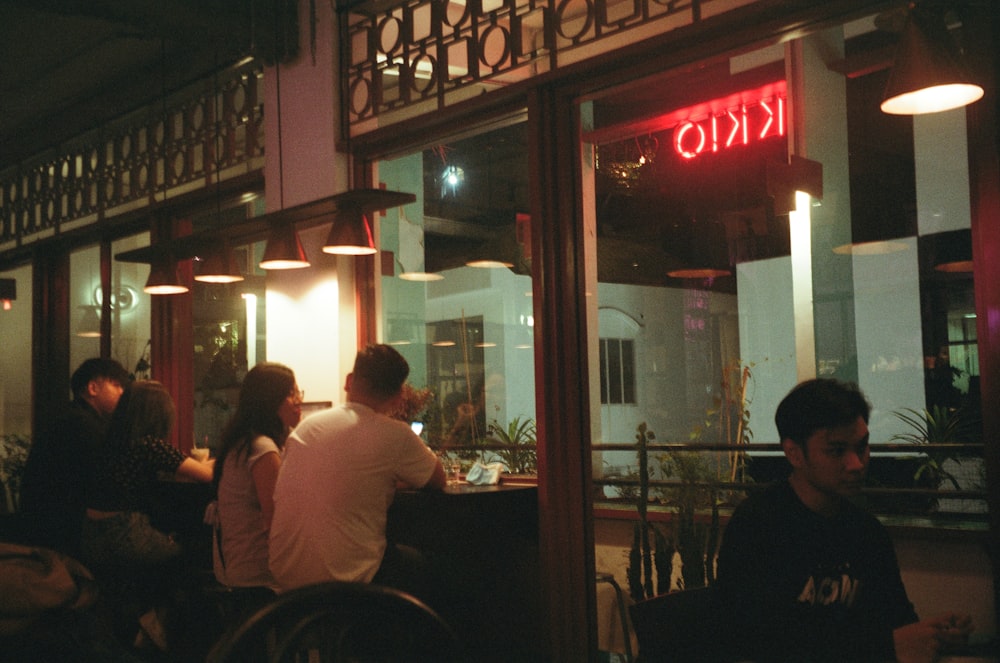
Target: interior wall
(311, 317)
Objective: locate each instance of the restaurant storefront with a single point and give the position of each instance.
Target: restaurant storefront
(628, 220)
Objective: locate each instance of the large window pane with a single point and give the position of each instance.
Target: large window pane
(456, 290)
(130, 309)
(15, 363)
(737, 271)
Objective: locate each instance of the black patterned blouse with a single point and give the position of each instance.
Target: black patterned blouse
(124, 481)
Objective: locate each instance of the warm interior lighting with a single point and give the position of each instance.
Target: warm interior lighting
(8, 293)
(927, 75)
(954, 267)
(487, 263)
(219, 266)
(163, 279)
(351, 233)
(284, 249)
(421, 276)
(876, 248)
(90, 323)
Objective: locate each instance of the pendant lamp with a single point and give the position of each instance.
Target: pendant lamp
(927, 75)
(351, 233)
(219, 266)
(703, 251)
(284, 249)
(163, 278)
(90, 323)
(8, 293)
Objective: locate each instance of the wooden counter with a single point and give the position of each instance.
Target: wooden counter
(482, 546)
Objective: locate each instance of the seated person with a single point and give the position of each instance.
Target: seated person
(62, 457)
(339, 475)
(249, 456)
(119, 543)
(805, 575)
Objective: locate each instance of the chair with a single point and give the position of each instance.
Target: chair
(677, 627)
(340, 621)
(622, 614)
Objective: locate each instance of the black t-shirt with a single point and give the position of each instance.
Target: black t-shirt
(797, 586)
(59, 467)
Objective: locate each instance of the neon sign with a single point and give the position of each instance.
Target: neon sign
(739, 120)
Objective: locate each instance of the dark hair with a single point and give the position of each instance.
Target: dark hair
(96, 368)
(819, 404)
(382, 369)
(264, 389)
(145, 410)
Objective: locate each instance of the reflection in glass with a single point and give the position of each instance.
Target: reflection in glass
(457, 303)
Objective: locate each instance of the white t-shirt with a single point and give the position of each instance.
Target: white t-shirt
(244, 534)
(337, 481)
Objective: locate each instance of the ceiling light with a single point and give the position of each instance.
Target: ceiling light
(163, 278)
(90, 323)
(219, 266)
(421, 276)
(284, 249)
(350, 234)
(927, 75)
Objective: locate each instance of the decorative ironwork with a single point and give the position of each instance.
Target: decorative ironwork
(138, 159)
(421, 55)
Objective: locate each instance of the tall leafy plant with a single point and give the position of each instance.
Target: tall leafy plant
(519, 453)
(937, 425)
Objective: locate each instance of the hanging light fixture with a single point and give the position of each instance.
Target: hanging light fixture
(927, 75)
(8, 293)
(163, 278)
(284, 249)
(704, 251)
(351, 233)
(90, 323)
(219, 266)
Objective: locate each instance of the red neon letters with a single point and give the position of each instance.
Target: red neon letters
(750, 121)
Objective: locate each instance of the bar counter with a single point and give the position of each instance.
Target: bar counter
(482, 546)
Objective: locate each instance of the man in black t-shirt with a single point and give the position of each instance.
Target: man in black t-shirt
(62, 457)
(804, 575)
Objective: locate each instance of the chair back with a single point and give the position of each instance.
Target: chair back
(677, 627)
(340, 621)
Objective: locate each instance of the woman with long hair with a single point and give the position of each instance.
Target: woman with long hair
(138, 563)
(248, 459)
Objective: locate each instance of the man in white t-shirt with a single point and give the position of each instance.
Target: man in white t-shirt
(339, 476)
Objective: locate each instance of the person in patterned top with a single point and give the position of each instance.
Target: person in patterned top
(119, 542)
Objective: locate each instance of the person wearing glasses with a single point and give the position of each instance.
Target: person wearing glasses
(246, 469)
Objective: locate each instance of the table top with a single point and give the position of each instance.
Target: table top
(463, 488)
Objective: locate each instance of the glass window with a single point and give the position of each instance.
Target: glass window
(229, 339)
(15, 364)
(742, 270)
(130, 309)
(617, 371)
(456, 290)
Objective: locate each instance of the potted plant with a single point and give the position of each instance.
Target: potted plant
(518, 454)
(937, 425)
